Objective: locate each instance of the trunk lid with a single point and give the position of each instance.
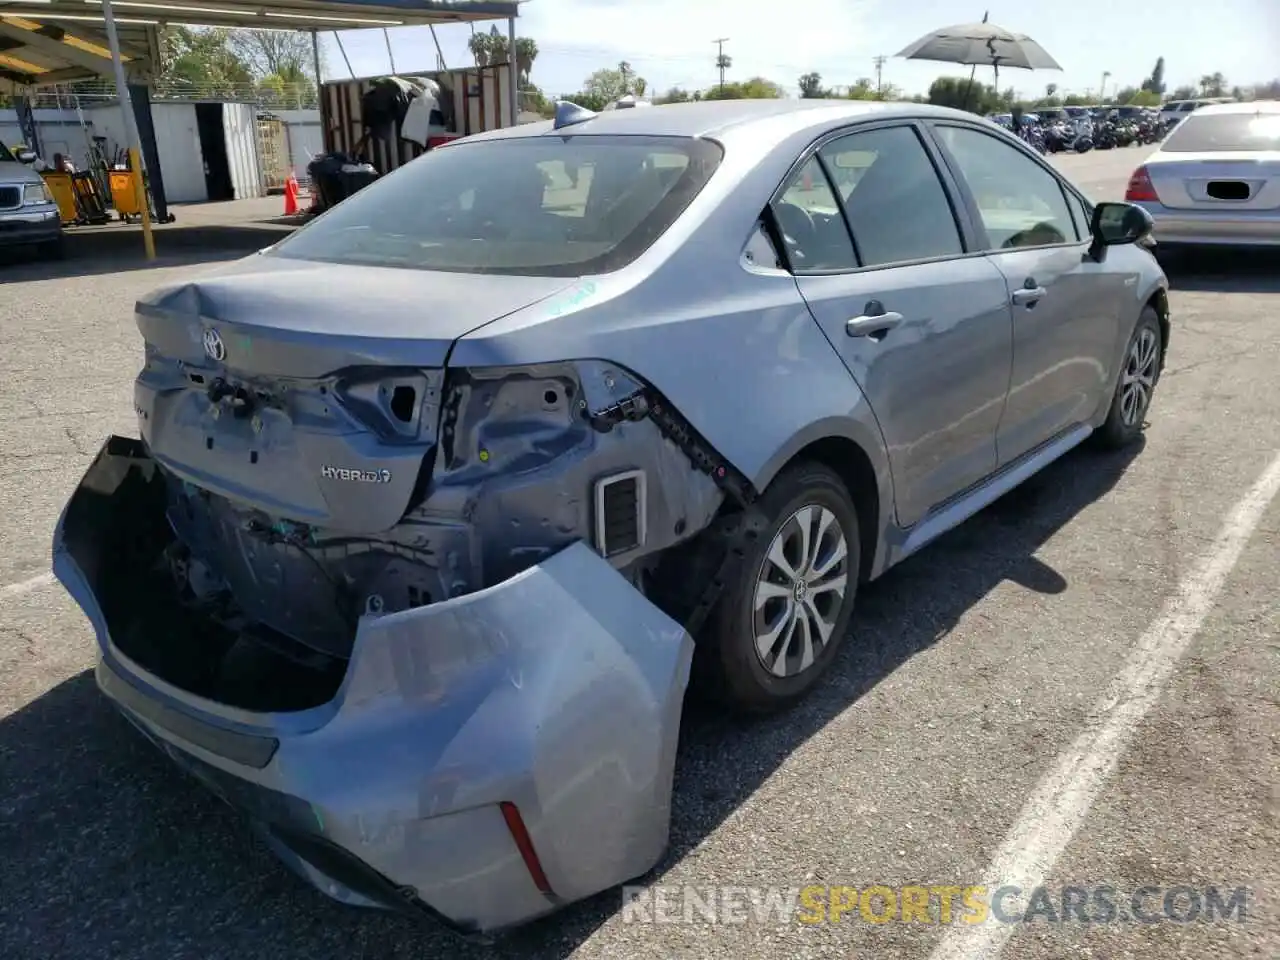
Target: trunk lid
(297, 318)
(307, 391)
(1217, 181)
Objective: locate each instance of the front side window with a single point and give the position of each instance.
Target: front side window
(6, 156)
(897, 207)
(537, 206)
(1021, 203)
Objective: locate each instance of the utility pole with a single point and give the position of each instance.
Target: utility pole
(722, 62)
(879, 62)
(1102, 91)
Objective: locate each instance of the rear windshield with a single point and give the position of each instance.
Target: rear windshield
(1225, 131)
(537, 206)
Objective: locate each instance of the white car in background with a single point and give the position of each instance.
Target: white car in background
(1215, 180)
(1176, 110)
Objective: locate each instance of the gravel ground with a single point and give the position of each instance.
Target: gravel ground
(973, 668)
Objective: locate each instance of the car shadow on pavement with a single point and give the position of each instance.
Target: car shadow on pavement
(111, 851)
(1222, 271)
(118, 249)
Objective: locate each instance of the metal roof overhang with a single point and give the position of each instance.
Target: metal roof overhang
(58, 41)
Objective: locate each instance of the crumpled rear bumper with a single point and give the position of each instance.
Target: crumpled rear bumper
(488, 758)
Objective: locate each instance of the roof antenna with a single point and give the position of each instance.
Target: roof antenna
(568, 113)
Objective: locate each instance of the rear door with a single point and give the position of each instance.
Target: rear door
(1065, 305)
(923, 327)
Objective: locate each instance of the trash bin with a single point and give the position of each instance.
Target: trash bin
(335, 176)
(64, 193)
(124, 194)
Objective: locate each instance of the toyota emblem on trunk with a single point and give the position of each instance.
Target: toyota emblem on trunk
(214, 348)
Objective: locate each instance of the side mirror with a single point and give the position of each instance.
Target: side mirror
(26, 156)
(1119, 223)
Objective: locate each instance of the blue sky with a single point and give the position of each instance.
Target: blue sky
(669, 42)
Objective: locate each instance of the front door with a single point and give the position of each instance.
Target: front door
(923, 329)
(1064, 315)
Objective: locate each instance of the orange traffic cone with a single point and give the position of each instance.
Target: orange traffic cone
(291, 196)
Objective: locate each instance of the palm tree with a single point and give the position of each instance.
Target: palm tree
(1212, 85)
(478, 44)
(526, 53)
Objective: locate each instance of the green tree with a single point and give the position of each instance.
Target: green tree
(489, 49)
(956, 92)
(1144, 98)
(1213, 85)
(1125, 95)
(1155, 82)
(865, 89)
(278, 53)
(1185, 92)
(611, 83)
(678, 95)
(754, 88)
(811, 87)
(203, 60)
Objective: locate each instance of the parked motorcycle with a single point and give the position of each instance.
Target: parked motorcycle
(1033, 135)
(1104, 135)
(1147, 130)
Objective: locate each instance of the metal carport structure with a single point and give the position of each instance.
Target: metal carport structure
(45, 42)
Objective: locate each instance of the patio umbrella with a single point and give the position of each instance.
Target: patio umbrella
(981, 44)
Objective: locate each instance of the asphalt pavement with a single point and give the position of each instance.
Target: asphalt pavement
(1076, 693)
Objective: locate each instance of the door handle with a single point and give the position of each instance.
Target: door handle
(872, 325)
(1028, 296)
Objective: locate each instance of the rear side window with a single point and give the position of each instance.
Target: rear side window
(537, 206)
(808, 217)
(897, 207)
(1203, 132)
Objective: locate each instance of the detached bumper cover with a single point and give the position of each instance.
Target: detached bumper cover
(559, 691)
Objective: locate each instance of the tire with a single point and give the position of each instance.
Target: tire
(1124, 424)
(731, 670)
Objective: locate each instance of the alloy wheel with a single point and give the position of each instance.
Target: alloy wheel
(1139, 378)
(800, 589)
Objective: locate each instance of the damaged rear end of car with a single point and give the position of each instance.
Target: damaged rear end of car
(399, 612)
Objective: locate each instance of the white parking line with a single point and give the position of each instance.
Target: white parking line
(1061, 801)
(26, 586)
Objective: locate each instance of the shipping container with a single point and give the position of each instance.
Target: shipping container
(481, 100)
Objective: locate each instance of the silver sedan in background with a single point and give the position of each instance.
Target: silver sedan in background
(1216, 179)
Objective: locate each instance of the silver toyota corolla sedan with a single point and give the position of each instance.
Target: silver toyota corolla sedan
(438, 503)
(1215, 180)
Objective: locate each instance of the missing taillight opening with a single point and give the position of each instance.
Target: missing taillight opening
(403, 400)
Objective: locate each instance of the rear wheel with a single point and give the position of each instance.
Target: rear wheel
(1139, 373)
(783, 616)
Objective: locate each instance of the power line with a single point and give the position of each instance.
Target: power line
(722, 62)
